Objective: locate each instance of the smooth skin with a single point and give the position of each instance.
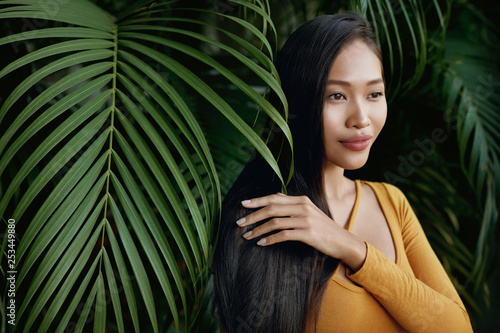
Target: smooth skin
(354, 105)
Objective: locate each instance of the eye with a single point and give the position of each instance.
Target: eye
(337, 96)
(375, 95)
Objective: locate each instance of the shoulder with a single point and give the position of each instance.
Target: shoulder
(385, 190)
(389, 195)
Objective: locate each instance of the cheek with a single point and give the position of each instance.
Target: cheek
(379, 117)
(332, 119)
(329, 129)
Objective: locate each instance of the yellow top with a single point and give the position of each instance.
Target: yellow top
(413, 294)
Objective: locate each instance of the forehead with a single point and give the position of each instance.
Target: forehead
(356, 62)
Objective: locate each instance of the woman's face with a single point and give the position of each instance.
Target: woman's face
(354, 108)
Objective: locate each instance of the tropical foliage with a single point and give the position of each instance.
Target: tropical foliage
(110, 177)
(123, 129)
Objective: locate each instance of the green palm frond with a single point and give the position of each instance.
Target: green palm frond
(118, 195)
(474, 102)
(401, 29)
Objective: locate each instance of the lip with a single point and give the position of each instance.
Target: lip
(357, 142)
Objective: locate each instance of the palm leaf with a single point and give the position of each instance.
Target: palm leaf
(119, 177)
(400, 26)
(474, 103)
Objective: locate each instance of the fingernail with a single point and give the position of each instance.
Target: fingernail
(245, 202)
(246, 234)
(241, 221)
(281, 194)
(261, 242)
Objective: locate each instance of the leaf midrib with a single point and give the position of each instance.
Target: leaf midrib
(111, 126)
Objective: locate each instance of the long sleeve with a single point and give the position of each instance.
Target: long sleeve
(424, 300)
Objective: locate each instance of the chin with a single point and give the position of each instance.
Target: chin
(354, 166)
(352, 163)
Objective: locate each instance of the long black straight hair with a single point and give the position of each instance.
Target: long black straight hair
(279, 288)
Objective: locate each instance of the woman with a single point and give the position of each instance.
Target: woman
(334, 255)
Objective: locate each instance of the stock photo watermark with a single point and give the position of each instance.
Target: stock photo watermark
(427, 146)
(11, 272)
(48, 10)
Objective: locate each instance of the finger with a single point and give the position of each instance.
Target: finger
(278, 223)
(278, 198)
(271, 211)
(282, 236)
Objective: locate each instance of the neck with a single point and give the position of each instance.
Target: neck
(336, 185)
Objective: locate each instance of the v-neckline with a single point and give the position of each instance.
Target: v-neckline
(349, 226)
(354, 211)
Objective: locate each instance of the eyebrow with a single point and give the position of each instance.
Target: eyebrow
(345, 83)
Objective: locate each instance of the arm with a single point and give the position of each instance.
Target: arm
(421, 300)
(424, 302)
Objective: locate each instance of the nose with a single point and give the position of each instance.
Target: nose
(358, 116)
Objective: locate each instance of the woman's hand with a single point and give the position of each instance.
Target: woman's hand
(300, 220)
